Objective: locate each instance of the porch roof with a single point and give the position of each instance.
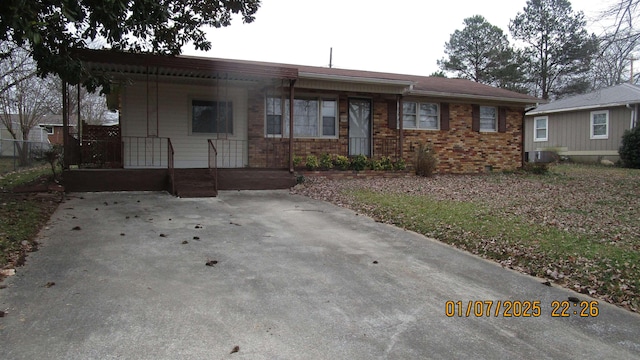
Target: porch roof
(108, 61)
(209, 68)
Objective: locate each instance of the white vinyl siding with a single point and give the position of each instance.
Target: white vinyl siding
(541, 128)
(600, 124)
(175, 122)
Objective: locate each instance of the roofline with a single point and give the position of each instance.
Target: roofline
(576, 108)
(470, 96)
(357, 79)
(183, 62)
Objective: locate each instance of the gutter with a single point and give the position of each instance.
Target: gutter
(469, 96)
(585, 107)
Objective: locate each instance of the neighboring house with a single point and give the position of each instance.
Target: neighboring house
(37, 136)
(52, 125)
(586, 127)
(178, 111)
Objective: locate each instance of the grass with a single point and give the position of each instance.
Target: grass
(22, 215)
(576, 225)
(25, 176)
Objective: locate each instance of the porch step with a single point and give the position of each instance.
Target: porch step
(255, 179)
(191, 183)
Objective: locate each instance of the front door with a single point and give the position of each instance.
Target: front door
(360, 127)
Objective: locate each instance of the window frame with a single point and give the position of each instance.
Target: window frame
(229, 132)
(417, 116)
(592, 136)
(48, 129)
(535, 128)
(495, 119)
(284, 122)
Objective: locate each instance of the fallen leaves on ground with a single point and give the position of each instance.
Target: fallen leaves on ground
(590, 202)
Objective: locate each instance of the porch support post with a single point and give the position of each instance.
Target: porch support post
(66, 158)
(291, 96)
(400, 126)
(79, 119)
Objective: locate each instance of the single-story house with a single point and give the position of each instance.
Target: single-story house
(585, 127)
(184, 112)
(9, 146)
(52, 125)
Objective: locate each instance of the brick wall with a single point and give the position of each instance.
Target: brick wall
(459, 150)
(462, 150)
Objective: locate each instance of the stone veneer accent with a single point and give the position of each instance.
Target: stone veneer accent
(459, 150)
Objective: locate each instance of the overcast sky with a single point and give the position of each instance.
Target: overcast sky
(399, 36)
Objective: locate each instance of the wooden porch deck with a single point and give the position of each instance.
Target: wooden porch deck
(188, 182)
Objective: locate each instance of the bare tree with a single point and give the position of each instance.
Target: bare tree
(612, 65)
(618, 45)
(93, 106)
(25, 98)
(14, 65)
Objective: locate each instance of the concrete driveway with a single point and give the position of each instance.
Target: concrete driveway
(291, 278)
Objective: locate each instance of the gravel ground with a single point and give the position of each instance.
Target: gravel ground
(601, 204)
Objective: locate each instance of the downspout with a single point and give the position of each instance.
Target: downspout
(291, 96)
(634, 109)
(399, 115)
(79, 120)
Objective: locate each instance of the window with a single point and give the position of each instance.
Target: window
(274, 116)
(420, 116)
(48, 129)
(600, 124)
(211, 117)
(488, 118)
(540, 130)
(312, 117)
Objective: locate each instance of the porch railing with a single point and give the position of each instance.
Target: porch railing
(231, 153)
(213, 163)
(170, 165)
(146, 152)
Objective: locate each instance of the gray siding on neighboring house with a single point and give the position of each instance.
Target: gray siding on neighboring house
(570, 133)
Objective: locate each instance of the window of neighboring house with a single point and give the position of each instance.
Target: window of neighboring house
(312, 117)
(48, 129)
(600, 124)
(422, 116)
(541, 126)
(211, 117)
(488, 118)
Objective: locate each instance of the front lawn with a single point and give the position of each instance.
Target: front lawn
(576, 226)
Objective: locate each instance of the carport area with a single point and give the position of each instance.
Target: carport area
(150, 276)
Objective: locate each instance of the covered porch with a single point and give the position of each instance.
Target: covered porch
(183, 128)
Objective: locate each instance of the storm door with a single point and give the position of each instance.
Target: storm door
(360, 127)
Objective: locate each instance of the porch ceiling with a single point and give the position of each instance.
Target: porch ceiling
(112, 62)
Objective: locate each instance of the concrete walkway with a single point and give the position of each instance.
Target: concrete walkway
(291, 278)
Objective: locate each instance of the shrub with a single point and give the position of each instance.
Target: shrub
(312, 162)
(297, 160)
(630, 149)
(536, 168)
(326, 162)
(341, 162)
(375, 165)
(400, 164)
(386, 163)
(426, 161)
(359, 162)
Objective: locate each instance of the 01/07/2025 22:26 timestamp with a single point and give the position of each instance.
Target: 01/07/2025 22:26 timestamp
(518, 308)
